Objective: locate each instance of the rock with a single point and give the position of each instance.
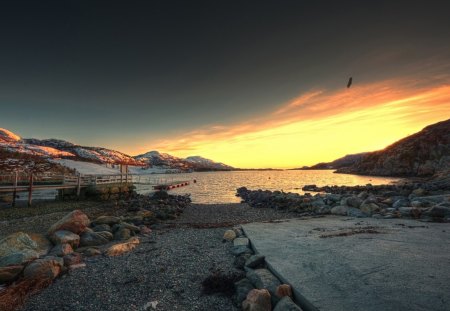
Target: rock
(419, 192)
(286, 304)
(238, 230)
(65, 237)
(72, 259)
(89, 251)
(102, 227)
(405, 211)
(239, 261)
(122, 234)
(283, 290)
(17, 248)
(369, 208)
(95, 238)
(229, 235)
(144, 229)
(43, 269)
(10, 273)
(108, 220)
(240, 241)
(76, 222)
(339, 210)
(130, 227)
(363, 195)
(240, 249)
(263, 278)
(354, 202)
(439, 211)
(122, 248)
(355, 212)
(43, 244)
(401, 203)
(61, 250)
(254, 261)
(257, 300)
(243, 287)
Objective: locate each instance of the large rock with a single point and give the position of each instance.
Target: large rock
(369, 208)
(43, 244)
(95, 238)
(61, 250)
(121, 248)
(102, 227)
(243, 287)
(229, 235)
(339, 210)
(354, 202)
(17, 249)
(122, 234)
(76, 222)
(240, 241)
(263, 278)
(72, 259)
(286, 304)
(284, 290)
(108, 220)
(10, 273)
(401, 203)
(65, 237)
(254, 261)
(257, 300)
(355, 212)
(43, 269)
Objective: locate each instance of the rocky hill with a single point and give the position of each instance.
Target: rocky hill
(345, 161)
(194, 163)
(425, 153)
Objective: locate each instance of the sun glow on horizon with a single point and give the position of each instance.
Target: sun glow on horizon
(320, 126)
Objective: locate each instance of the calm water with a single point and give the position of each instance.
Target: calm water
(220, 187)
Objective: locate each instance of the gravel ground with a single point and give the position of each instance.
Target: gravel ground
(168, 267)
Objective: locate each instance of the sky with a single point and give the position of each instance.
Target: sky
(248, 83)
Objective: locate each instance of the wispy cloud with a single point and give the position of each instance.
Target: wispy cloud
(401, 105)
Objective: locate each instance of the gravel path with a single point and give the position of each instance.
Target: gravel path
(168, 267)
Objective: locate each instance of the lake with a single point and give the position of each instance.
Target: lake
(220, 187)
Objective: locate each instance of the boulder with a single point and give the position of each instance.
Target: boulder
(95, 238)
(122, 234)
(10, 273)
(263, 278)
(401, 203)
(354, 201)
(243, 287)
(121, 248)
(65, 237)
(240, 249)
(102, 227)
(284, 290)
(71, 259)
(43, 269)
(61, 250)
(369, 208)
(76, 222)
(255, 261)
(257, 300)
(339, 210)
(355, 212)
(240, 241)
(286, 304)
(239, 261)
(44, 245)
(17, 248)
(108, 220)
(229, 235)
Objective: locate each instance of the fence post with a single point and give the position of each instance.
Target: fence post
(16, 173)
(30, 190)
(79, 185)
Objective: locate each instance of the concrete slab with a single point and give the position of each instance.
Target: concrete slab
(337, 263)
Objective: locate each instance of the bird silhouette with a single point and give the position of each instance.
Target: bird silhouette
(349, 82)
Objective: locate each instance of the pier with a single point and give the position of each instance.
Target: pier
(16, 182)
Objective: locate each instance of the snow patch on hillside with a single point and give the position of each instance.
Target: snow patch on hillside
(88, 168)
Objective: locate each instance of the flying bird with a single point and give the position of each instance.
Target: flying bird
(349, 82)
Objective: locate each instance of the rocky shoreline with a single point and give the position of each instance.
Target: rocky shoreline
(422, 201)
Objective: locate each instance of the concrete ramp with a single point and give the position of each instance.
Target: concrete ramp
(339, 263)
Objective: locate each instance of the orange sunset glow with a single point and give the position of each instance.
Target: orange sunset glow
(320, 125)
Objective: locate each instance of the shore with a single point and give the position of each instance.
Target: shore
(167, 268)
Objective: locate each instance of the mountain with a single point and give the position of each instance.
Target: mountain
(31, 153)
(422, 154)
(345, 161)
(208, 164)
(195, 163)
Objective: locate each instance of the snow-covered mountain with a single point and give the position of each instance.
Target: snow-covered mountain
(195, 163)
(204, 163)
(17, 152)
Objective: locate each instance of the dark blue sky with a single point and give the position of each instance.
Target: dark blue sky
(107, 72)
